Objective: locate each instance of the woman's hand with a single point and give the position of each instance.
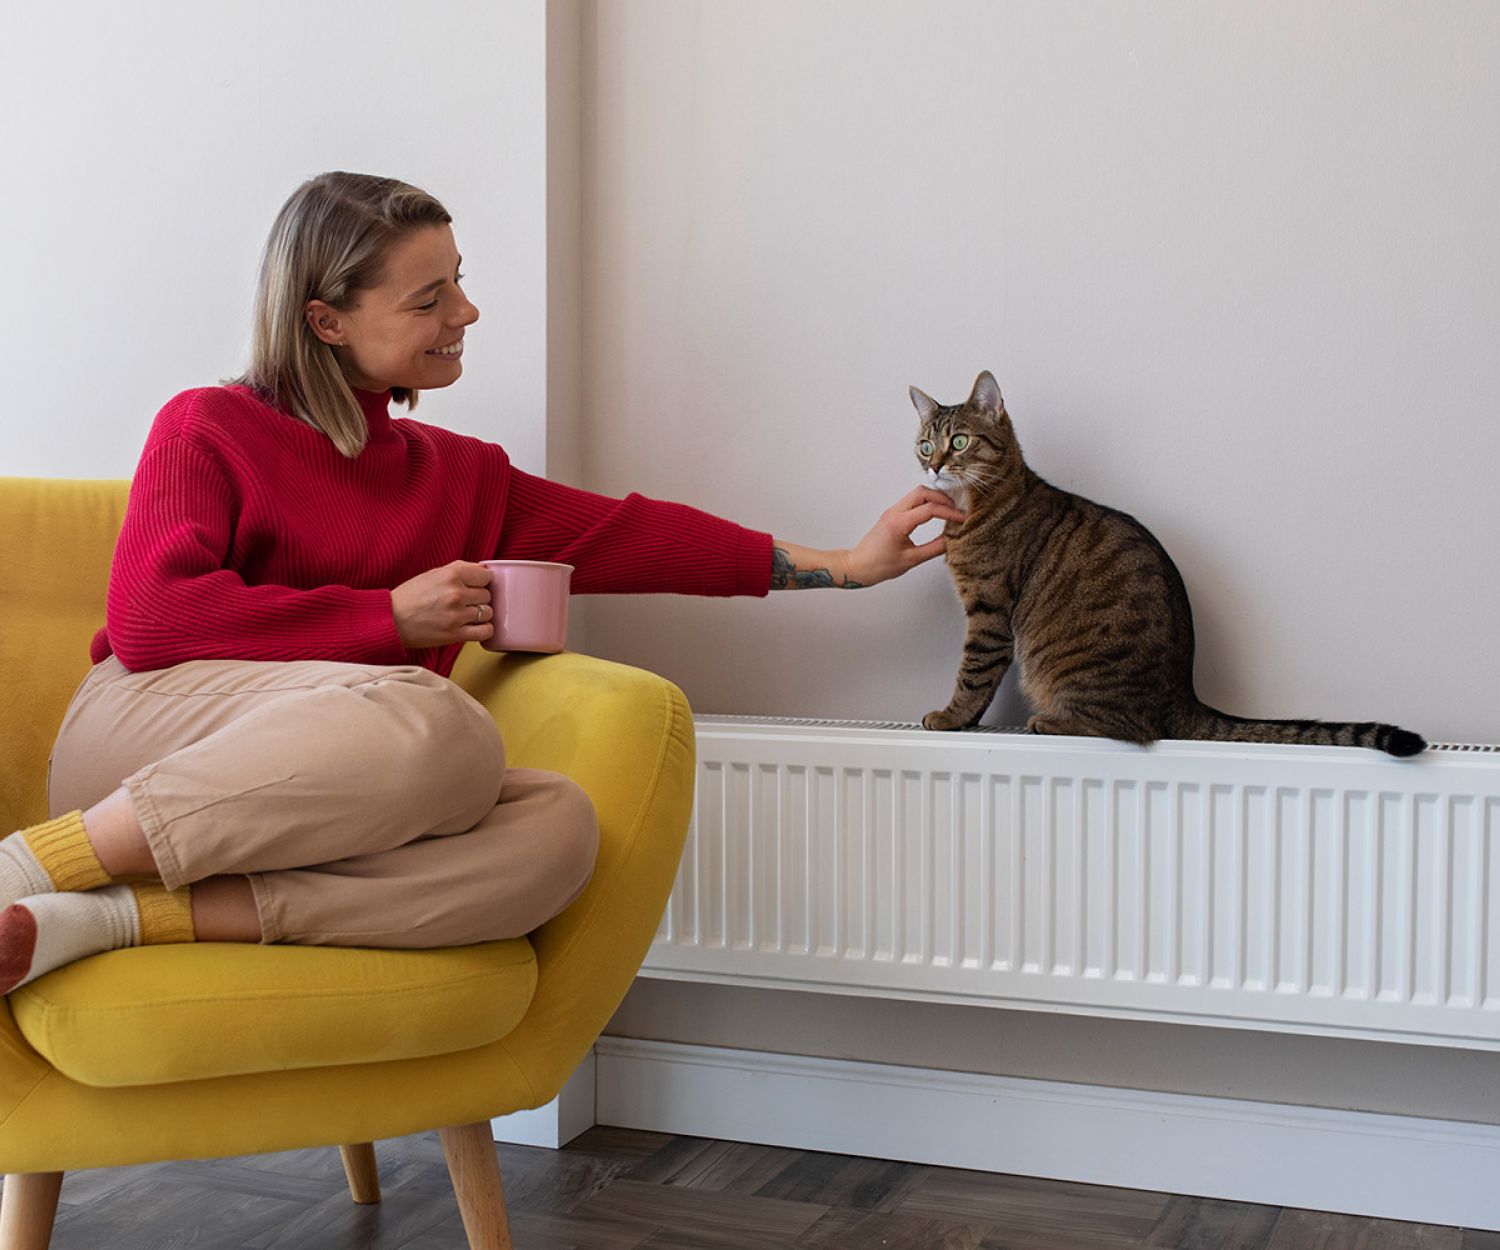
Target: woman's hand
(439, 607)
(885, 552)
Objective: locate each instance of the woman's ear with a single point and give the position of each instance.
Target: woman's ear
(326, 322)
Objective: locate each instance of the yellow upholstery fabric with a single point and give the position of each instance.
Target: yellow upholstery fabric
(56, 542)
(625, 735)
(142, 1015)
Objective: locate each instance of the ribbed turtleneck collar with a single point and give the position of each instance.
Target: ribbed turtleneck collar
(376, 405)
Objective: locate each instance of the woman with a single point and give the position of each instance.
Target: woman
(268, 747)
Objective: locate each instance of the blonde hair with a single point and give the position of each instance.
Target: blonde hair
(329, 242)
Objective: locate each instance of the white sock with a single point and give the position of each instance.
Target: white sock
(21, 873)
(46, 931)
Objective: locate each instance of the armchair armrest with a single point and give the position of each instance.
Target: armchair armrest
(626, 736)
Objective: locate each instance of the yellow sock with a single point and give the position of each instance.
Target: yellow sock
(166, 915)
(63, 849)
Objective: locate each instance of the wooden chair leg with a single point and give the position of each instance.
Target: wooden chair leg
(362, 1170)
(475, 1171)
(28, 1208)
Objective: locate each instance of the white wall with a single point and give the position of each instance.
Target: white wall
(1237, 270)
(148, 148)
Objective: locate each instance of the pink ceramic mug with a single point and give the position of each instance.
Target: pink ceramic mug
(530, 601)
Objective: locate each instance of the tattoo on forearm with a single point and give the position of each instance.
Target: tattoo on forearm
(785, 575)
(783, 571)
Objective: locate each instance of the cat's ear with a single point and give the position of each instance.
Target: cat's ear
(986, 395)
(925, 404)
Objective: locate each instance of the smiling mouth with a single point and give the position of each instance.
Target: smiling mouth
(451, 352)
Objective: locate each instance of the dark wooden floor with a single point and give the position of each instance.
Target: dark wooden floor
(614, 1189)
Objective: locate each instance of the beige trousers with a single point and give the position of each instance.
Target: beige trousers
(368, 805)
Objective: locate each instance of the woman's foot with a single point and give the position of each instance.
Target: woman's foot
(21, 873)
(54, 855)
(45, 931)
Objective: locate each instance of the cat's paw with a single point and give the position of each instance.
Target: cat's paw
(942, 719)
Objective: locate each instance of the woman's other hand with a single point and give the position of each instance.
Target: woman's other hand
(444, 605)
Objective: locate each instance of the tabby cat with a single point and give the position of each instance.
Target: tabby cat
(1082, 595)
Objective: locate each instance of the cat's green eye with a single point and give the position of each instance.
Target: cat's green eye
(925, 447)
(960, 441)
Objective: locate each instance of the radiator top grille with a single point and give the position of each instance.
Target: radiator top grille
(805, 722)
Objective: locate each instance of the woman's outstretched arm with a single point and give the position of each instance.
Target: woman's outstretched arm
(885, 552)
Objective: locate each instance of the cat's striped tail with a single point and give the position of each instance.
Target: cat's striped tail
(1213, 725)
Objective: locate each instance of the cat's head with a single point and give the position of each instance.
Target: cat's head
(966, 449)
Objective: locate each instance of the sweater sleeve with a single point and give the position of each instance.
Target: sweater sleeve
(632, 545)
(171, 599)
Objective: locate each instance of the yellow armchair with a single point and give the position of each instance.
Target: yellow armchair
(214, 1049)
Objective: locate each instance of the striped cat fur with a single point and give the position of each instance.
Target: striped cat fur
(1081, 595)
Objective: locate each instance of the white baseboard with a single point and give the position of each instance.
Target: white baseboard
(559, 1121)
(1358, 1163)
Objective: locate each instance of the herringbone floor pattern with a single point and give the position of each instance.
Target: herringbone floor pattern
(614, 1189)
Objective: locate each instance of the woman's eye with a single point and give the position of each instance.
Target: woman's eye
(960, 441)
(925, 447)
(431, 304)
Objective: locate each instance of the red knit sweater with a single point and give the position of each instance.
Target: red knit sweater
(249, 536)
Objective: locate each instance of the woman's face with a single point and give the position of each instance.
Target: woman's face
(409, 330)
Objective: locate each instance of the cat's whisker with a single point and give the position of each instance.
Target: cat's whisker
(981, 484)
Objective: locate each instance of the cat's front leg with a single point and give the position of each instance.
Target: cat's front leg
(989, 650)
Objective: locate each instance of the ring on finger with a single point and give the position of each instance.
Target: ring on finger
(479, 614)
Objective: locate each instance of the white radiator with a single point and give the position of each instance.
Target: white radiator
(1303, 889)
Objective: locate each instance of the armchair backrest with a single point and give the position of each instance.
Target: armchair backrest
(57, 538)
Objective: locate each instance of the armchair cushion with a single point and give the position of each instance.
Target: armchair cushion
(181, 1013)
